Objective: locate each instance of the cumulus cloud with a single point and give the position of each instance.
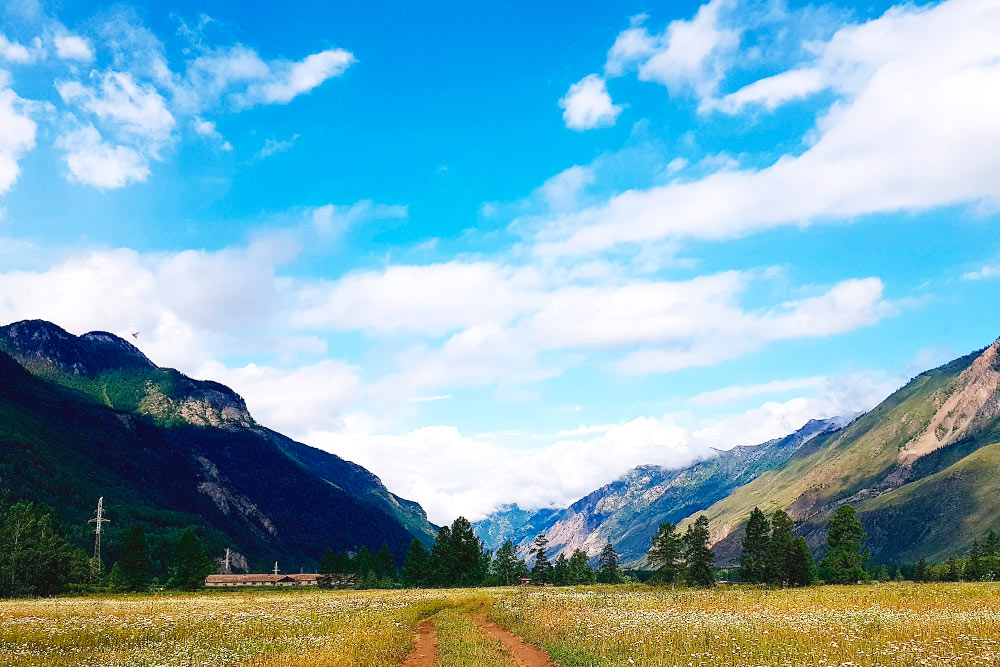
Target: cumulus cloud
(13, 52)
(444, 470)
(131, 107)
(587, 105)
(687, 55)
(289, 80)
(73, 47)
(92, 161)
(983, 273)
(17, 133)
(912, 131)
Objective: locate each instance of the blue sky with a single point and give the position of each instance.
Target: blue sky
(506, 253)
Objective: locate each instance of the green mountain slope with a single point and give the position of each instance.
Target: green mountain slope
(937, 423)
(200, 461)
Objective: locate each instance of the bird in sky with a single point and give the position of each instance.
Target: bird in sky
(135, 334)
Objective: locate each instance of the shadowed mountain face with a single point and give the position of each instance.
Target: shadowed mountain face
(628, 511)
(95, 417)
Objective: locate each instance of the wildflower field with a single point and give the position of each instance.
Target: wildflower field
(886, 624)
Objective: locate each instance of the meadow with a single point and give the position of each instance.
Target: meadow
(882, 624)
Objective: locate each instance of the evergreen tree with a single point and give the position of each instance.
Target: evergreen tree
(698, 558)
(608, 570)
(560, 571)
(974, 565)
(580, 571)
(470, 560)
(540, 571)
(134, 560)
(189, 564)
(385, 564)
(779, 549)
(801, 568)
(416, 567)
(327, 569)
(920, 574)
(35, 558)
(667, 553)
(845, 556)
(991, 557)
(754, 554)
(507, 567)
(882, 574)
(953, 571)
(442, 559)
(363, 566)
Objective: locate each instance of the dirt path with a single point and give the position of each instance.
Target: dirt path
(527, 654)
(425, 648)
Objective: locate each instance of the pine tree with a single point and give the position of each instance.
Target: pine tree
(416, 567)
(667, 553)
(540, 571)
(953, 572)
(580, 571)
(698, 558)
(442, 559)
(754, 554)
(189, 564)
(363, 566)
(35, 558)
(974, 566)
(327, 569)
(845, 556)
(506, 565)
(801, 568)
(991, 557)
(608, 570)
(779, 549)
(134, 560)
(385, 564)
(920, 574)
(470, 561)
(560, 571)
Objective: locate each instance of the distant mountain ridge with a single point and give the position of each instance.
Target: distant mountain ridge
(628, 511)
(96, 417)
(921, 468)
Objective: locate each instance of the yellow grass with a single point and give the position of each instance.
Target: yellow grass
(901, 625)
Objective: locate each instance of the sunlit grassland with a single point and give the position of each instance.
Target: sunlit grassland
(886, 624)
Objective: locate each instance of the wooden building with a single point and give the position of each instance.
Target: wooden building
(233, 580)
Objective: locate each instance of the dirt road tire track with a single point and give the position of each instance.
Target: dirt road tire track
(425, 649)
(527, 654)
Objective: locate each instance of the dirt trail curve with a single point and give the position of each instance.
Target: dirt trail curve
(425, 648)
(527, 654)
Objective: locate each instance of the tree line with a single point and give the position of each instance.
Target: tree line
(36, 559)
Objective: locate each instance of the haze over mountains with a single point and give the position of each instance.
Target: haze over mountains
(921, 468)
(95, 417)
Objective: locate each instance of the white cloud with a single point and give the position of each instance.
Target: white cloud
(14, 52)
(738, 393)
(332, 220)
(17, 133)
(92, 161)
(982, 274)
(774, 91)
(587, 105)
(444, 470)
(687, 55)
(129, 106)
(73, 47)
(916, 129)
(273, 146)
(289, 80)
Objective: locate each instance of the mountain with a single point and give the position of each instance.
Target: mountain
(920, 468)
(94, 417)
(628, 511)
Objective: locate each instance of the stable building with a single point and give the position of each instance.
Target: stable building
(233, 580)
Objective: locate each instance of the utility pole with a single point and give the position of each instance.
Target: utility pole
(98, 522)
(227, 561)
(275, 567)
